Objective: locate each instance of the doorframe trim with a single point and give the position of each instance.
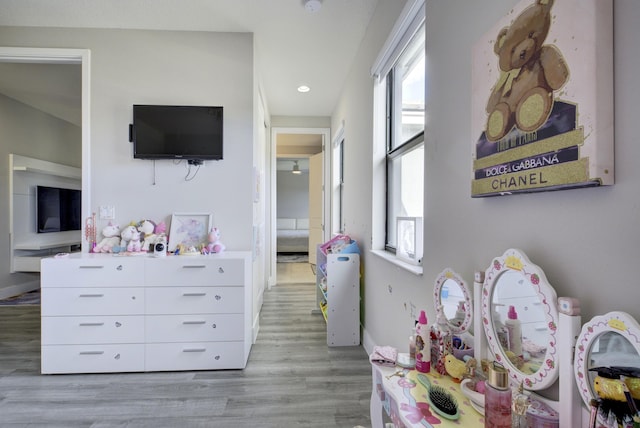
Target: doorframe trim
(65, 56)
(272, 209)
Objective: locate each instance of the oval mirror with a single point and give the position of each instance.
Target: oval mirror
(520, 319)
(452, 297)
(608, 346)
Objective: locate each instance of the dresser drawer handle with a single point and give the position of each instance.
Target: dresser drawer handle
(194, 350)
(91, 352)
(194, 294)
(92, 295)
(91, 324)
(220, 270)
(193, 322)
(194, 266)
(91, 267)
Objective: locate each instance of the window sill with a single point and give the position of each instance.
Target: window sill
(391, 258)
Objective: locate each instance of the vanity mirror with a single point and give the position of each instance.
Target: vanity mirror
(612, 342)
(452, 297)
(520, 319)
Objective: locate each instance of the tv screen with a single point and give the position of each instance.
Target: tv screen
(177, 132)
(57, 209)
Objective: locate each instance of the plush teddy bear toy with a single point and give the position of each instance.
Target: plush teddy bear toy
(214, 245)
(111, 233)
(530, 72)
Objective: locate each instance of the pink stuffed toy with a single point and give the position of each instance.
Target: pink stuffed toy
(214, 246)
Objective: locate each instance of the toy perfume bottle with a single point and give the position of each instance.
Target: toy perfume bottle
(423, 345)
(514, 330)
(497, 398)
(443, 338)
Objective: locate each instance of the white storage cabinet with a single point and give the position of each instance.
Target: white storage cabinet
(105, 313)
(338, 296)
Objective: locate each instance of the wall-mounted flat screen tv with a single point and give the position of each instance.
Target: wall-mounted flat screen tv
(193, 133)
(57, 209)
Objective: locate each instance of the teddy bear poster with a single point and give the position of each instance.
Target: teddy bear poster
(542, 99)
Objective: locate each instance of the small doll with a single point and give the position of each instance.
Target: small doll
(214, 246)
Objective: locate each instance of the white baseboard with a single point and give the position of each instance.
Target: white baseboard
(255, 329)
(367, 342)
(18, 289)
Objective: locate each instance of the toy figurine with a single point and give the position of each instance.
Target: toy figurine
(214, 246)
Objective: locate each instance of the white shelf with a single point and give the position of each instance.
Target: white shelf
(342, 308)
(26, 244)
(25, 164)
(34, 246)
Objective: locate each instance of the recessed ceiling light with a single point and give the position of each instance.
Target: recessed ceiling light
(303, 88)
(312, 5)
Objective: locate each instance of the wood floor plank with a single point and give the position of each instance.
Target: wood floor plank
(292, 379)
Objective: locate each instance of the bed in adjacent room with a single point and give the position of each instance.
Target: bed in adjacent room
(292, 235)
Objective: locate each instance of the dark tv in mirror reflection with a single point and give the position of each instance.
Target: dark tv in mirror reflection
(57, 209)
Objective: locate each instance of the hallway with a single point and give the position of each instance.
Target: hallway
(292, 379)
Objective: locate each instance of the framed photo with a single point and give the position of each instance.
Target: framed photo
(542, 107)
(189, 229)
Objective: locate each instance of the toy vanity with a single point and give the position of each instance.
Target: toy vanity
(559, 373)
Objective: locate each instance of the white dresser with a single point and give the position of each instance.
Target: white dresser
(106, 313)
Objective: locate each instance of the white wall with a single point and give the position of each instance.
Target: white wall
(29, 132)
(586, 240)
(164, 67)
(293, 195)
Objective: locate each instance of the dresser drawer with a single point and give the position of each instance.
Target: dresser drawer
(194, 271)
(194, 300)
(94, 329)
(92, 271)
(92, 301)
(92, 358)
(194, 356)
(193, 328)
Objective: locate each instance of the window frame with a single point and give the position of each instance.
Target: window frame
(395, 151)
(409, 22)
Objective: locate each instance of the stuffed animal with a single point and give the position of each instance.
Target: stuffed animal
(111, 233)
(134, 245)
(161, 228)
(454, 367)
(127, 234)
(147, 229)
(530, 73)
(214, 246)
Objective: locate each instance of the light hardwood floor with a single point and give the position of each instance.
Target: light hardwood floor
(292, 379)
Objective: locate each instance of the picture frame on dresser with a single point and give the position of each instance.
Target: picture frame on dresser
(189, 229)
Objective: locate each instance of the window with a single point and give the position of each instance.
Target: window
(398, 140)
(405, 103)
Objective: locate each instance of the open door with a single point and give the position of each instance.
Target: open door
(316, 198)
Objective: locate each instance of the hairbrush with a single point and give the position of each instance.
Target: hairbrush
(441, 400)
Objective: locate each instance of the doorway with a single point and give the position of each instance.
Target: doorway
(54, 56)
(297, 187)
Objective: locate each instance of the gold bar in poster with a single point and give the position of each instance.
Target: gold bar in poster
(574, 172)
